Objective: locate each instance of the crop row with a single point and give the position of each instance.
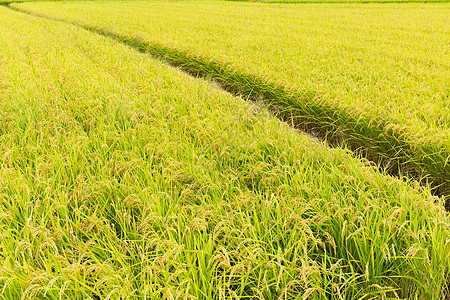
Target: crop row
(122, 178)
(365, 80)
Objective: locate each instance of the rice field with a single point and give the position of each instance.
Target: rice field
(347, 1)
(364, 79)
(122, 177)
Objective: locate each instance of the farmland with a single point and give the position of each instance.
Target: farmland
(350, 1)
(363, 79)
(124, 178)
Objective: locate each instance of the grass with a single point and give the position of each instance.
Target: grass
(364, 80)
(122, 178)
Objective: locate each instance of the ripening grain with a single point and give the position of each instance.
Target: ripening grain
(122, 178)
(379, 72)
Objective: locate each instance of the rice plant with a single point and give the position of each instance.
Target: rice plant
(364, 80)
(123, 178)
